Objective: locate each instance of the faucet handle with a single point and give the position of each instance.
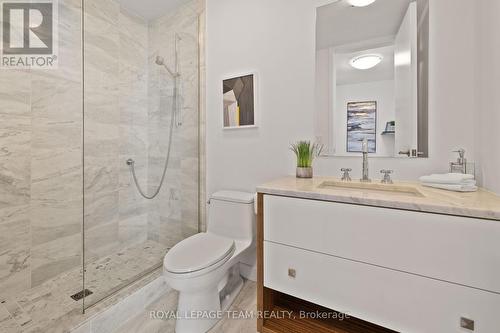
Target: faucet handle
(461, 153)
(346, 177)
(387, 176)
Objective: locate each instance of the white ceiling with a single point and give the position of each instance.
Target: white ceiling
(150, 9)
(339, 23)
(346, 74)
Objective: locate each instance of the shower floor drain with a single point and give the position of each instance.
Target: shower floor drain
(81, 294)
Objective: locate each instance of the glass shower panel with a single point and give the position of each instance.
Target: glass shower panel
(140, 117)
(41, 211)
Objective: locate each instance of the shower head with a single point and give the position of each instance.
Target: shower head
(160, 61)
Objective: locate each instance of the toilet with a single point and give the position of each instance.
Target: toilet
(204, 268)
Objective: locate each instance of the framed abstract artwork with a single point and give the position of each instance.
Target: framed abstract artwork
(361, 124)
(239, 101)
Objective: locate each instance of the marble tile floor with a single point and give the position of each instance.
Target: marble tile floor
(49, 307)
(246, 301)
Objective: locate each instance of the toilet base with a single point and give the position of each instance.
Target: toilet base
(199, 311)
(232, 288)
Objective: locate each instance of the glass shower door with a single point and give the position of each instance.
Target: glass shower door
(140, 114)
(41, 210)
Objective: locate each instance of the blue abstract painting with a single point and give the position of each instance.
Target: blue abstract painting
(361, 124)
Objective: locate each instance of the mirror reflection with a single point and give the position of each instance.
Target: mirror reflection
(372, 77)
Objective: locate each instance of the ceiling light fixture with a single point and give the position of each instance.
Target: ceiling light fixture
(361, 3)
(366, 61)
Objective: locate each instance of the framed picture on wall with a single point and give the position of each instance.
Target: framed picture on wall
(361, 124)
(239, 101)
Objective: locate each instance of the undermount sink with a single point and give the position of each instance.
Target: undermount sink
(390, 189)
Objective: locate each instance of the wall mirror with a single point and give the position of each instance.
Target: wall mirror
(372, 77)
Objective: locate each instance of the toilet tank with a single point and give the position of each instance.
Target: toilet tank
(232, 214)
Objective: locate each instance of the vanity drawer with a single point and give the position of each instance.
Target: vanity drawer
(395, 300)
(455, 249)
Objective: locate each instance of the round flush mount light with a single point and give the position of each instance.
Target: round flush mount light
(366, 61)
(360, 3)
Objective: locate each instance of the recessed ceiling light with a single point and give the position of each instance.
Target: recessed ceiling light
(366, 61)
(361, 3)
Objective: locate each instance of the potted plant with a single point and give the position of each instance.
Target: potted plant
(305, 152)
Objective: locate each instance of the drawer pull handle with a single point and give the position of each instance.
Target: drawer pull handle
(292, 273)
(467, 323)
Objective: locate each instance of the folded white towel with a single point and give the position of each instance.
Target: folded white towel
(449, 178)
(454, 187)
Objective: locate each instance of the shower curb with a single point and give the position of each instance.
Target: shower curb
(111, 318)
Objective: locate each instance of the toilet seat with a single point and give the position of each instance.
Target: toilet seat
(199, 252)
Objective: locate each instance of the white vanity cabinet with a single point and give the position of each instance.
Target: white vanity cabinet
(404, 270)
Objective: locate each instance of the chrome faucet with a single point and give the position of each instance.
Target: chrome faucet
(365, 178)
(460, 166)
(345, 174)
(387, 176)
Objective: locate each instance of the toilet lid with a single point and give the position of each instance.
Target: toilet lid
(198, 252)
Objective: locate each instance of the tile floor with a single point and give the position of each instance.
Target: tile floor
(49, 308)
(246, 301)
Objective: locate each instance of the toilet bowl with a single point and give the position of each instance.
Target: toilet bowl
(204, 268)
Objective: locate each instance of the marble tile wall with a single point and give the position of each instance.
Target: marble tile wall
(15, 180)
(133, 85)
(130, 102)
(56, 160)
(175, 214)
(40, 168)
(102, 127)
(116, 127)
(128, 105)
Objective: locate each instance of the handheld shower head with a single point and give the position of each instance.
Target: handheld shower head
(160, 61)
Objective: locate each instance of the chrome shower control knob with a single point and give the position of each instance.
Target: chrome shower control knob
(387, 176)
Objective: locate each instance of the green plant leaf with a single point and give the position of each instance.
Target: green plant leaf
(306, 152)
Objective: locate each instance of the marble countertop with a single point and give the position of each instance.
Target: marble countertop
(481, 204)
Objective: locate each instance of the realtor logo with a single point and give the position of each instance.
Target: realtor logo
(29, 31)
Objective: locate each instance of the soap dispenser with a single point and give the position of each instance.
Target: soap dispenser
(461, 165)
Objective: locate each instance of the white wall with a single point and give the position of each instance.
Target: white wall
(277, 38)
(488, 83)
(380, 91)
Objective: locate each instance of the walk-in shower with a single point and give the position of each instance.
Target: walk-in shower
(75, 219)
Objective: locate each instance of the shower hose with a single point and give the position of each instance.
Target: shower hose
(131, 162)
